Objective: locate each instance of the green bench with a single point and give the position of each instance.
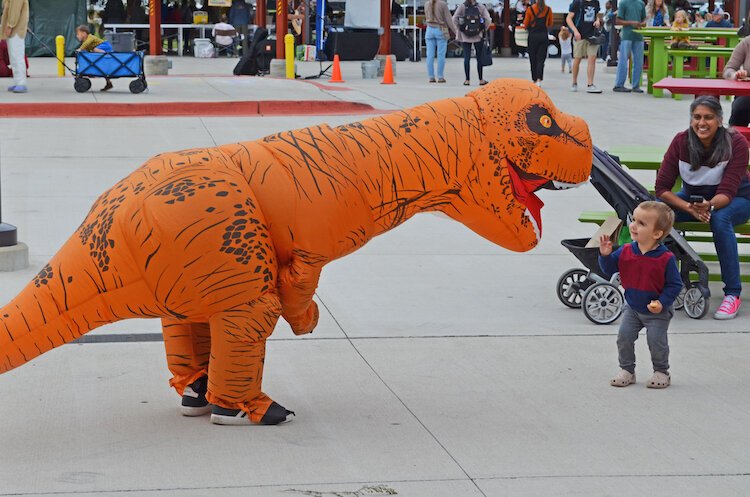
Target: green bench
(649, 159)
(702, 52)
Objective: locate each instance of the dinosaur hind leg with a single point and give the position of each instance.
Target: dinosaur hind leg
(238, 349)
(188, 346)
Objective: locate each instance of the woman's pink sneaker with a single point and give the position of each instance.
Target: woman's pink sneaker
(728, 308)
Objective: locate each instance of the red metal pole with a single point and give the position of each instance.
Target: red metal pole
(282, 26)
(260, 13)
(385, 23)
(154, 30)
(506, 24)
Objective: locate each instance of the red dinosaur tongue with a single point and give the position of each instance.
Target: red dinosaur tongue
(524, 192)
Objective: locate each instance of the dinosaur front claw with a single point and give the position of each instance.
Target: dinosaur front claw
(305, 322)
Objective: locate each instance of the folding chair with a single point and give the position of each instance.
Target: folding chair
(233, 49)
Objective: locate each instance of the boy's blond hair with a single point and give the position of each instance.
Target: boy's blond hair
(664, 217)
(84, 28)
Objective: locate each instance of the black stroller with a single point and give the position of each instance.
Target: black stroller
(600, 297)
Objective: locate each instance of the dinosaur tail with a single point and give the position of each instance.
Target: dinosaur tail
(73, 294)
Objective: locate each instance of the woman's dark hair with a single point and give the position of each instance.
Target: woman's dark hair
(541, 5)
(721, 146)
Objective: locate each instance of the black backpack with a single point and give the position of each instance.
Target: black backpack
(473, 23)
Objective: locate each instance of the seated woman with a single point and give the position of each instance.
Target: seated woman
(712, 162)
(224, 35)
(736, 68)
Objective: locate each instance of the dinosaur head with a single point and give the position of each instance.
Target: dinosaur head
(528, 145)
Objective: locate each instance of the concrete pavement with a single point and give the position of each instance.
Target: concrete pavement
(442, 364)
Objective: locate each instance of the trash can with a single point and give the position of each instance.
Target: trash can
(203, 48)
(370, 69)
(121, 42)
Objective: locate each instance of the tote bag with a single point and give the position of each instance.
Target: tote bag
(521, 37)
(485, 54)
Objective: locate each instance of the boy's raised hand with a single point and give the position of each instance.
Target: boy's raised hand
(605, 245)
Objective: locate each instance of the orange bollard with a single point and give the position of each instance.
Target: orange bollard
(336, 78)
(388, 72)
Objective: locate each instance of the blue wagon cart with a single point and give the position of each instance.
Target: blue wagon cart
(109, 65)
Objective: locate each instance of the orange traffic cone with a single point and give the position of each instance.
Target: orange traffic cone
(388, 72)
(336, 78)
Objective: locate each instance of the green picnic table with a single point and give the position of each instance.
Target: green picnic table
(658, 58)
(702, 52)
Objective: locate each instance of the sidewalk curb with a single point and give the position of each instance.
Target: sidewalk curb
(171, 109)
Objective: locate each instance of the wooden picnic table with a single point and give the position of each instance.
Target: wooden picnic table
(658, 59)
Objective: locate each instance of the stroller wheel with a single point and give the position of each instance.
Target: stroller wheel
(679, 302)
(695, 303)
(571, 285)
(602, 303)
(82, 85)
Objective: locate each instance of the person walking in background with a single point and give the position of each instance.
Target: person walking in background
(440, 29)
(239, 17)
(14, 23)
(657, 13)
(566, 48)
(583, 20)
(712, 162)
(631, 15)
(472, 20)
(537, 21)
(649, 275)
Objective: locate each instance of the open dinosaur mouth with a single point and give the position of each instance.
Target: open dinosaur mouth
(525, 184)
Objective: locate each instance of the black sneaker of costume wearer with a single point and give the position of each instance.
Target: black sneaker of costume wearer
(275, 415)
(194, 401)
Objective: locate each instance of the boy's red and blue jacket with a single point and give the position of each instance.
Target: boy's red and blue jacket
(645, 277)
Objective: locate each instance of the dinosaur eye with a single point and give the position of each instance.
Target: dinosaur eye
(540, 121)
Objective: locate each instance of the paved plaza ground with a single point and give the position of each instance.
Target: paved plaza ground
(443, 366)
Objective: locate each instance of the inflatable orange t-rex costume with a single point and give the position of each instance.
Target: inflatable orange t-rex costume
(219, 242)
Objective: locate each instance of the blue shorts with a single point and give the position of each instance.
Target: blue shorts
(105, 46)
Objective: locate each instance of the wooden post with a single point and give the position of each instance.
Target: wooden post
(260, 13)
(282, 26)
(154, 29)
(385, 23)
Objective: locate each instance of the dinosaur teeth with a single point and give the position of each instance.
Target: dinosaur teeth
(559, 185)
(537, 232)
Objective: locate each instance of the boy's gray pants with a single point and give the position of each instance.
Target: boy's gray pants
(656, 334)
